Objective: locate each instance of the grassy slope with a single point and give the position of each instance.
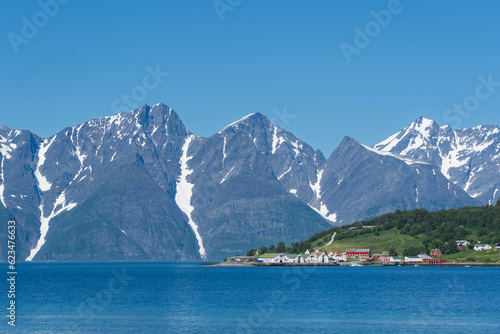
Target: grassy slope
(377, 244)
(480, 256)
(392, 237)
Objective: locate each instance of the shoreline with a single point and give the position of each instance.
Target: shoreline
(345, 264)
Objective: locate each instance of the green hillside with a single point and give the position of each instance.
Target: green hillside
(411, 232)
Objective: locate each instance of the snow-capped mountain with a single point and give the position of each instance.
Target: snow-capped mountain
(140, 186)
(470, 158)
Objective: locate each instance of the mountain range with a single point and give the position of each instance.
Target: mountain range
(138, 186)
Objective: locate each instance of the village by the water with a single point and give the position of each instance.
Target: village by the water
(351, 257)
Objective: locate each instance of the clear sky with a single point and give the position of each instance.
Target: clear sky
(228, 58)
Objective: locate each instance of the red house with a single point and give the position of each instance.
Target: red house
(436, 252)
(436, 261)
(357, 253)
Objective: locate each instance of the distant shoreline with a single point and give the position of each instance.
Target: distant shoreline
(344, 264)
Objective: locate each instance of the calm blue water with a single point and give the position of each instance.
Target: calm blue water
(188, 298)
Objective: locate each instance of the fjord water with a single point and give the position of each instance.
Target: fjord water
(190, 298)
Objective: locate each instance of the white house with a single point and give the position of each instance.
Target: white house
(480, 247)
(342, 257)
(307, 252)
(323, 258)
(395, 260)
(295, 258)
(464, 243)
(312, 259)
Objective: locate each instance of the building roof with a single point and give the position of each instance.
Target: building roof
(268, 255)
(481, 245)
(292, 256)
(360, 250)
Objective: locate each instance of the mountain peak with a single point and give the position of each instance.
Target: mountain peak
(254, 118)
(424, 126)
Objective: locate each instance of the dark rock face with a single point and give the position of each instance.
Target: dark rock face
(361, 183)
(138, 186)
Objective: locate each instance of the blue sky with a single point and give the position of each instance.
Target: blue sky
(275, 57)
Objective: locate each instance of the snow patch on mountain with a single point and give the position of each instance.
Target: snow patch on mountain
(406, 160)
(225, 176)
(224, 155)
(59, 206)
(43, 184)
(277, 141)
(2, 186)
(321, 207)
(185, 193)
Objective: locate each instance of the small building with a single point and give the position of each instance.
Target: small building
(497, 246)
(436, 261)
(294, 258)
(267, 257)
(424, 256)
(341, 257)
(436, 252)
(395, 260)
(480, 247)
(358, 253)
(308, 251)
(463, 243)
(323, 258)
(384, 259)
(413, 259)
(312, 258)
(384, 254)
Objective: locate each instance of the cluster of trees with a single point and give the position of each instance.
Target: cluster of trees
(437, 229)
(280, 248)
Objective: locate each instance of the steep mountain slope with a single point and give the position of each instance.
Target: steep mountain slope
(470, 158)
(294, 163)
(362, 183)
(118, 173)
(236, 195)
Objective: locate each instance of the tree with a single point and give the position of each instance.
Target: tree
(392, 251)
(251, 252)
(281, 248)
(263, 250)
(271, 249)
(498, 203)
